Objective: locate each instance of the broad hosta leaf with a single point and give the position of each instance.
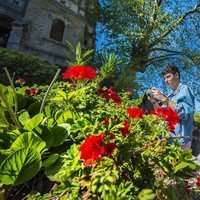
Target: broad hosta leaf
(28, 140)
(4, 154)
(34, 108)
(33, 122)
(24, 117)
(60, 134)
(52, 171)
(22, 100)
(20, 166)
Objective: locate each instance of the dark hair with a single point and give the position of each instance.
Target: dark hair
(170, 69)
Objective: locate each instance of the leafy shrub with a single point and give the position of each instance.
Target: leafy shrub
(32, 68)
(197, 120)
(91, 142)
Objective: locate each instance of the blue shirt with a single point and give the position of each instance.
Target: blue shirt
(184, 98)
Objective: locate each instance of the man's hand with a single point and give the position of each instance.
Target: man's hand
(158, 95)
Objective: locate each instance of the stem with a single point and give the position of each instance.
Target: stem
(13, 88)
(48, 90)
(4, 119)
(10, 110)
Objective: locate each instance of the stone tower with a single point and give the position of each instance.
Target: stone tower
(41, 27)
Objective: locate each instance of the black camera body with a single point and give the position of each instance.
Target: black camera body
(150, 94)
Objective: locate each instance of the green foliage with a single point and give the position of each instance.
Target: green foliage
(197, 120)
(76, 56)
(146, 194)
(32, 68)
(50, 141)
(24, 160)
(150, 34)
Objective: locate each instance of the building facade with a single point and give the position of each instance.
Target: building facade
(41, 27)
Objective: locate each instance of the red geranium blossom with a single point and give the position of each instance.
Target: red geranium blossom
(169, 115)
(198, 182)
(125, 130)
(94, 148)
(32, 91)
(109, 94)
(106, 121)
(21, 80)
(135, 112)
(79, 73)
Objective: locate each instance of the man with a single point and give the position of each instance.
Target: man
(182, 100)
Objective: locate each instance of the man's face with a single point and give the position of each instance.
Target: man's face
(172, 80)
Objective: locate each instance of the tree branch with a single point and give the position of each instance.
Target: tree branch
(162, 56)
(157, 4)
(181, 19)
(167, 50)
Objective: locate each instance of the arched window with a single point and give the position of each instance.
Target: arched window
(57, 30)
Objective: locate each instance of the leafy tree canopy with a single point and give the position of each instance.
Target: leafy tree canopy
(151, 33)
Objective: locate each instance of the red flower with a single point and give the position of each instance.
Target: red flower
(32, 91)
(187, 188)
(109, 148)
(21, 80)
(109, 94)
(79, 73)
(112, 136)
(106, 121)
(169, 115)
(93, 148)
(125, 130)
(198, 182)
(129, 92)
(135, 112)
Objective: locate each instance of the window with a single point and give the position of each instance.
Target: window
(57, 30)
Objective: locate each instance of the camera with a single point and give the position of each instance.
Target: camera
(150, 94)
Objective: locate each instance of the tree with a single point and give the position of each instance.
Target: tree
(152, 32)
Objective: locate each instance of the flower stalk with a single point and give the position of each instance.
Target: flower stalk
(10, 110)
(48, 90)
(13, 88)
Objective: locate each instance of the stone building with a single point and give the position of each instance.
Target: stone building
(41, 27)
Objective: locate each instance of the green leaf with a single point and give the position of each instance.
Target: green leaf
(64, 116)
(22, 100)
(87, 53)
(62, 94)
(70, 46)
(57, 98)
(20, 166)
(146, 194)
(4, 154)
(180, 166)
(33, 122)
(60, 134)
(49, 110)
(71, 94)
(192, 165)
(69, 55)
(24, 117)
(52, 171)
(34, 108)
(50, 160)
(28, 140)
